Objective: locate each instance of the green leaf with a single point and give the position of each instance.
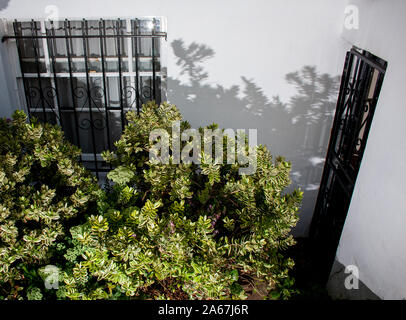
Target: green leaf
(121, 175)
(275, 295)
(236, 288)
(234, 275)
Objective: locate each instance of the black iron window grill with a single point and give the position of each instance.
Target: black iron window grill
(85, 75)
(361, 83)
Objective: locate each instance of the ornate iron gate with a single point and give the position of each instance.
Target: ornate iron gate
(360, 86)
(85, 75)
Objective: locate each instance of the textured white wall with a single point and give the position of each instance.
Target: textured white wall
(261, 40)
(8, 97)
(374, 233)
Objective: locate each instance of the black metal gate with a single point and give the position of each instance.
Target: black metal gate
(85, 75)
(360, 86)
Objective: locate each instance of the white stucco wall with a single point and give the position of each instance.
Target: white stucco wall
(374, 238)
(261, 40)
(8, 94)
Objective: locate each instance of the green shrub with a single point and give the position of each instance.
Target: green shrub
(179, 231)
(42, 186)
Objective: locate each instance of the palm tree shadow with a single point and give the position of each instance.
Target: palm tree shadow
(4, 4)
(298, 129)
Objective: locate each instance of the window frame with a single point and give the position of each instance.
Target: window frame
(127, 41)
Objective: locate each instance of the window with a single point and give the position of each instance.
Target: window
(85, 75)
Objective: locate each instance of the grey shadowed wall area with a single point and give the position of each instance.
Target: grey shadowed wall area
(298, 129)
(4, 4)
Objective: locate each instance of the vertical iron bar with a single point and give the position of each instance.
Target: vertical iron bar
(37, 64)
(130, 55)
(52, 48)
(350, 102)
(340, 105)
(314, 225)
(372, 108)
(118, 26)
(141, 86)
(89, 97)
(19, 51)
(359, 109)
(341, 102)
(357, 82)
(345, 80)
(153, 61)
(68, 53)
(137, 84)
(353, 105)
(102, 31)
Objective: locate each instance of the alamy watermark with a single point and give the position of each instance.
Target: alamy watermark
(52, 15)
(352, 280)
(51, 277)
(351, 19)
(238, 151)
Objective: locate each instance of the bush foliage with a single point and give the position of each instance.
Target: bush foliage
(169, 231)
(160, 231)
(42, 187)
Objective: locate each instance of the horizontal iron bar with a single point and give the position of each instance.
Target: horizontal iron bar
(69, 109)
(150, 35)
(381, 69)
(91, 74)
(89, 157)
(98, 169)
(340, 168)
(81, 59)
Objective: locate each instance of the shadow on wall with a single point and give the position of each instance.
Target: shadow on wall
(298, 129)
(4, 4)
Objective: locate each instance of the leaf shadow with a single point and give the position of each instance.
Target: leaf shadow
(298, 129)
